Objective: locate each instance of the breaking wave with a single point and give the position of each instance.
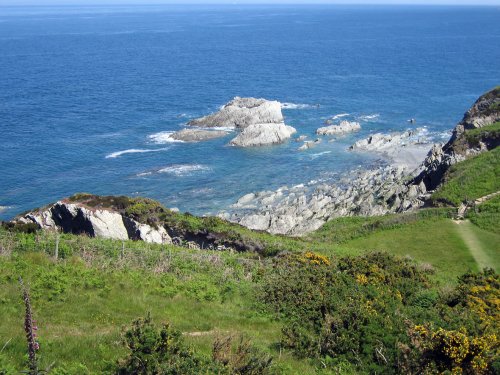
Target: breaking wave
(163, 137)
(178, 170)
(297, 106)
(132, 151)
(369, 117)
(340, 115)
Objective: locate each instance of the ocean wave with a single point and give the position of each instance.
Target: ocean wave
(163, 137)
(369, 117)
(340, 115)
(4, 208)
(178, 170)
(132, 151)
(317, 155)
(297, 106)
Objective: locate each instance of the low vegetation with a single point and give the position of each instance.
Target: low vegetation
(487, 215)
(470, 179)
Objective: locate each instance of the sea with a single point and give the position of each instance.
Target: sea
(89, 94)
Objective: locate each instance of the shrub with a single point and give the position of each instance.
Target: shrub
(158, 351)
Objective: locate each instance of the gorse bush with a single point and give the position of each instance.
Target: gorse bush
(363, 311)
(154, 350)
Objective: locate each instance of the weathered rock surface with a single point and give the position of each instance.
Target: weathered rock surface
(406, 148)
(78, 219)
(263, 134)
(304, 208)
(485, 111)
(396, 188)
(243, 112)
(197, 135)
(343, 127)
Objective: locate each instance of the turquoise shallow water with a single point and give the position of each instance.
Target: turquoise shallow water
(78, 85)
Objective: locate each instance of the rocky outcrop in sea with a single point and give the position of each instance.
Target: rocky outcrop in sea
(403, 185)
(263, 134)
(260, 121)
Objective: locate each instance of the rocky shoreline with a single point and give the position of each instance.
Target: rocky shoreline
(415, 168)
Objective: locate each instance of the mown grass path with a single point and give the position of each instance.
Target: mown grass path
(466, 231)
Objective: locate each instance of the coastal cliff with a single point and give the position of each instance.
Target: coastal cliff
(405, 185)
(297, 210)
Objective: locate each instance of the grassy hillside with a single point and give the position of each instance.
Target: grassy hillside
(470, 179)
(83, 301)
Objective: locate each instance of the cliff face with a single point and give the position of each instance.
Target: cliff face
(77, 218)
(124, 218)
(484, 112)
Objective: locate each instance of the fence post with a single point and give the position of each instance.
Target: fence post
(56, 255)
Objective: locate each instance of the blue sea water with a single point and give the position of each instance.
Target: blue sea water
(78, 85)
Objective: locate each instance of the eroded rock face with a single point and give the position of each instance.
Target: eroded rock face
(484, 112)
(78, 219)
(342, 128)
(305, 208)
(197, 135)
(243, 112)
(263, 134)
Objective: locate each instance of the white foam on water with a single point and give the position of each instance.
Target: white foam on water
(223, 128)
(133, 151)
(4, 208)
(296, 106)
(163, 137)
(184, 169)
(317, 155)
(369, 117)
(340, 115)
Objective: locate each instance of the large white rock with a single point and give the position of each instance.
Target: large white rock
(77, 218)
(243, 112)
(152, 235)
(263, 134)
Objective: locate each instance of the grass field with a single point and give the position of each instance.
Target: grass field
(83, 302)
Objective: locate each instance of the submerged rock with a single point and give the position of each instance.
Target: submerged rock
(263, 134)
(307, 145)
(197, 135)
(243, 112)
(343, 127)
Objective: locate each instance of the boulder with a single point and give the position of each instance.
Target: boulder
(263, 134)
(243, 112)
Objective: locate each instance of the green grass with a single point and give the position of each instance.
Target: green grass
(83, 301)
(487, 215)
(473, 136)
(470, 179)
(435, 242)
(81, 309)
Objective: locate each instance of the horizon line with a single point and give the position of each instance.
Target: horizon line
(343, 3)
